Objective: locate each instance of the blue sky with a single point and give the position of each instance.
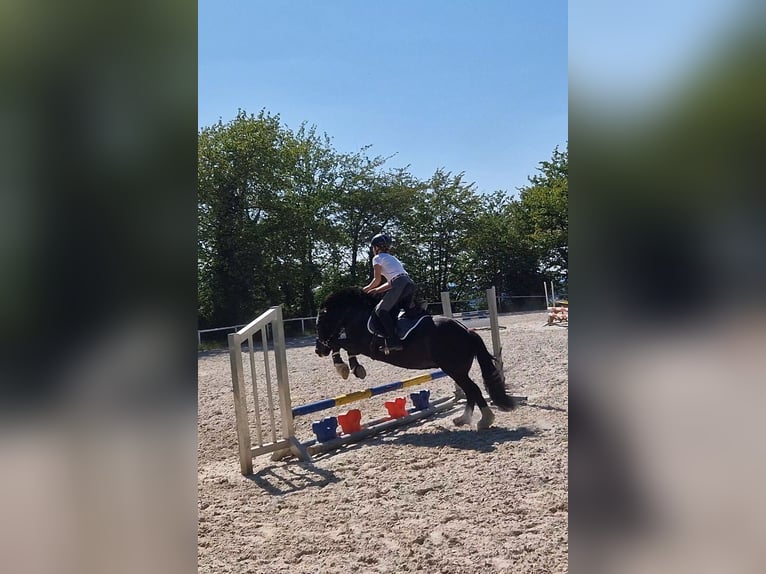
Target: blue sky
(475, 86)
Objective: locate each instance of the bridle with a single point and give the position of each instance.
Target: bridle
(333, 338)
(328, 342)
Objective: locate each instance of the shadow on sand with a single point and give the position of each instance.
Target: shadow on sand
(466, 439)
(293, 477)
(546, 408)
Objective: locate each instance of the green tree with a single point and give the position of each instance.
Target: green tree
(369, 201)
(543, 214)
(304, 229)
(241, 172)
(284, 218)
(437, 230)
(500, 255)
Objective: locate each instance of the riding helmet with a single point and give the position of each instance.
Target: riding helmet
(381, 240)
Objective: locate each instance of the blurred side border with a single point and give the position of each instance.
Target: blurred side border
(98, 289)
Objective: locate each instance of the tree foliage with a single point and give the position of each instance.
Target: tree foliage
(544, 213)
(284, 218)
(437, 232)
(242, 174)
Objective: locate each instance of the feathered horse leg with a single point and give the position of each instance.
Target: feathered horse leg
(353, 365)
(340, 366)
(359, 371)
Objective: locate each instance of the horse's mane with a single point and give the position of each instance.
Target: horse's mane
(348, 296)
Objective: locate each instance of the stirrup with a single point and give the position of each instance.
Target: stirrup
(390, 344)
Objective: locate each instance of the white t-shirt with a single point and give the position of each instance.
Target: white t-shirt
(390, 265)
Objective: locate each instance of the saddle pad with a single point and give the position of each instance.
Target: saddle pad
(404, 326)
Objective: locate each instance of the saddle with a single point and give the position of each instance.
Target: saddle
(406, 323)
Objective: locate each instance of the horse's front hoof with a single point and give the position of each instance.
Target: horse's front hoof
(360, 372)
(343, 370)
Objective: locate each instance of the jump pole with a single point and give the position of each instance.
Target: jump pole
(324, 404)
(312, 447)
(378, 426)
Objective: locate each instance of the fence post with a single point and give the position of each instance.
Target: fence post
(497, 348)
(446, 305)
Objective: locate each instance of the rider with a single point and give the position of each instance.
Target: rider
(398, 288)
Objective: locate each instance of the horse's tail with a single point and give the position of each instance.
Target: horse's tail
(493, 378)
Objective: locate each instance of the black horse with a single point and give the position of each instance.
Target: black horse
(438, 342)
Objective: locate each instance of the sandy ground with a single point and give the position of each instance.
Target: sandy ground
(431, 497)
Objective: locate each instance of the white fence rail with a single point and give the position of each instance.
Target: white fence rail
(303, 320)
(312, 320)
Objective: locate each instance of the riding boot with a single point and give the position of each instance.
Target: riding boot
(393, 343)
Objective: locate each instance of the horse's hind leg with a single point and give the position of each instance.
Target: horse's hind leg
(487, 418)
(473, 397)
(466, 417)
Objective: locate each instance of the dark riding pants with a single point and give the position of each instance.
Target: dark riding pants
(402, 288)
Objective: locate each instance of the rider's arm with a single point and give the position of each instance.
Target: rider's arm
(376, 280)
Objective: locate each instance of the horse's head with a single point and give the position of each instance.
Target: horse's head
(335, 312)
(327, 333)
